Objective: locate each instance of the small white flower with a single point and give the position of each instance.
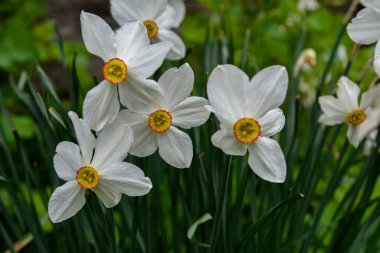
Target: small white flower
(249, 115)
(96, 164)
(159, 17)
(345, 109)
(310, 5)
(364, 29)
(129, 59)
(157, 114)
(306, 61)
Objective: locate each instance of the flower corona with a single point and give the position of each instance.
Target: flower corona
(151, 28)
(247, 130)
(115, 71)
(160, 121)
(87, 177)
(356, 117)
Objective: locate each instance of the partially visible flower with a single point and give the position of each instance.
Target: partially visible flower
(249, 115)
(159, 18)
(129, 60)
(345, 108)
(370, 142)
(306, 61)
(309, 5)
(156, 114)
(96, 165)
(364, 29)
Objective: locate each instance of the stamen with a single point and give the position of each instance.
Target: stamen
(87, 177)
(115, 71)
(356, 117)
(160, 121)
(247, 130)
(151, 28)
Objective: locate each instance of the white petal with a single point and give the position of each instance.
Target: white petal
(334, 111)
(348, 92)
(86, 139)
(267, 90)
(66, 201)
(127, 11)
(126, 178)
(267, 160)
(226, 93)
(67, 160)
(176, 85)
(272, 122)
(356, 134)
(98, 36)
(101, 105)
(132, 118)
(226, 141)
(365, 27)
(175, 147)
(107, 194)
(166, 19)
(112, 144)
(373, 4)
(131, 39)
(148, 60)
(180, 9)
(369, 97)
(190, 113)
(178, 49)
(353, 135)
(377, 58)
(140, 95)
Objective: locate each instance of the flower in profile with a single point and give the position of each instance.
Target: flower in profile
(159, 18)
(96, 165)
(249, 115)
(306, 61)
(345, 108)
(364, 29)
(157, 114)
(129, 59)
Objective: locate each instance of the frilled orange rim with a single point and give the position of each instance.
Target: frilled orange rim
(87, 177)
(356, 117)
(160, 121)
(247, 130)
(115, 71)
(151, 28)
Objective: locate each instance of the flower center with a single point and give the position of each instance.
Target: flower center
(247, 130)
(115, 71)
(87, 177)
(160, 121)
(151, 28)
(356, 117)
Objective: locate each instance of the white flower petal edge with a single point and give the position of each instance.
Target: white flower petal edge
(191, 112)
(348, 92)
(225, 140)
(98, 36)
(272, 122)
(373, 4)
(267, 160)
(365, 27)
(180, 10)
(178, 49)
(66, 201)
(333, 111)
(176, 148)
(67, 160)
(107, 194)
(377, 58)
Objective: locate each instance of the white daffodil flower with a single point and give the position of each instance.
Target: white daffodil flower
(344, 108)
(249, 115)
(97, 165)
(157, 114)
(159, 18)
(129, 59)
(364, 29)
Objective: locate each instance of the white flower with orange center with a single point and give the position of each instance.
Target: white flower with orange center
(361, 118)
(159, 18)
(157, 114)
(96, 165)
(129, 59)
(364, 29)
(249, 115)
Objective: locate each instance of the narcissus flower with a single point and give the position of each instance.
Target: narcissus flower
(249, 115)
(129, 59)
(96, 165)
(361, 118)
(157, 114)
(364, 29)
(159, 18)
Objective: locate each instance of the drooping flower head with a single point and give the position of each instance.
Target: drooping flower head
(249, 115)
(159, 18)
(157, 114)
(345, 108)
(129, 59)
(96, 165)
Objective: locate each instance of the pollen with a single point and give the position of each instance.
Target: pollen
(115, 71)
(151, 28)
(87, 177)
(160, 121)
(247, 130)
(356, 117)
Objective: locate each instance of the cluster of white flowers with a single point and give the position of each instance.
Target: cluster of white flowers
(247, 110)
(364, 118)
